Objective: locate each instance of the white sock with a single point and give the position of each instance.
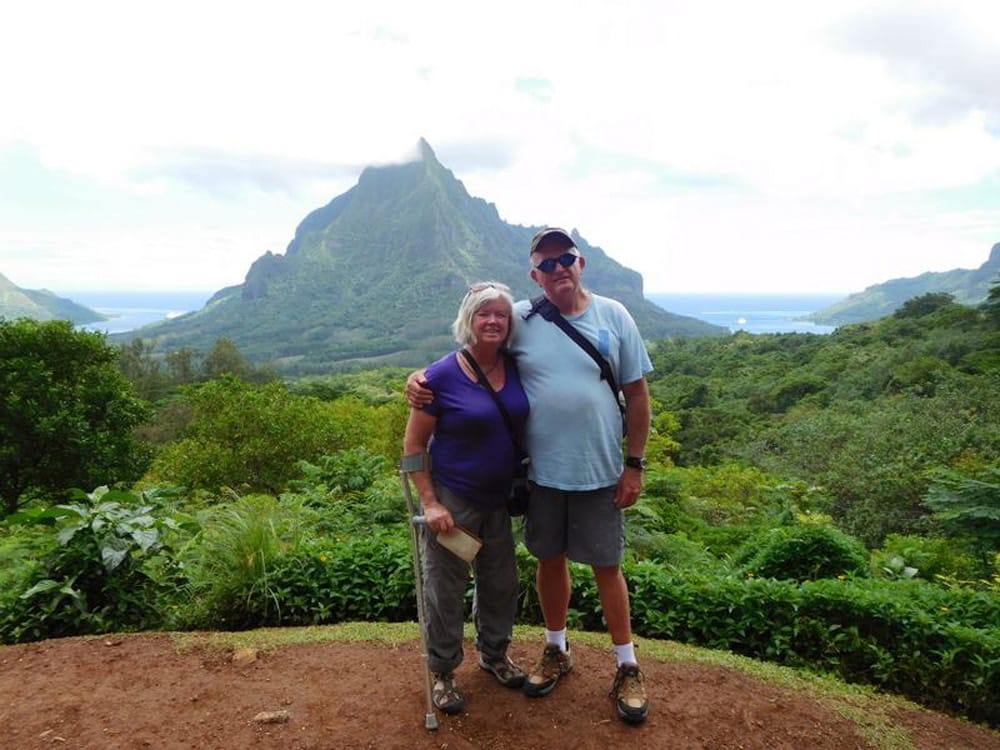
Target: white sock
(625, 654)
(557, 638)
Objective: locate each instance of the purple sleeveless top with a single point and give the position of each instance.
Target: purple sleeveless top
(471, 450)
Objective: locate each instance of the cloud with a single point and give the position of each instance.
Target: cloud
(227, 173)
(946, 52)
(474, 155)
(655, 177)
(537, 88)
(706, 144)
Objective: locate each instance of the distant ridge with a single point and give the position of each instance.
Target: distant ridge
(967, 286)
(41, 304)
(376, 276)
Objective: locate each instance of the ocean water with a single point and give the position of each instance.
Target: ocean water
(130, 310)
(753, 313)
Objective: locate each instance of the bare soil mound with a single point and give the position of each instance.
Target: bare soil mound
(139, 692)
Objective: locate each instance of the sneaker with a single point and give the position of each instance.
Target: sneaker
(507, 672)
(446, 695)
(629, 694)
(544, 676)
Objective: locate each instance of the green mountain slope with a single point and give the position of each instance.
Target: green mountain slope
(967, 286)
(376, 275)
(41, 304)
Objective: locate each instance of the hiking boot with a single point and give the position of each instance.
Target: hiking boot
(507, 672)
(445, 693)
(629, 694)
(546, 673)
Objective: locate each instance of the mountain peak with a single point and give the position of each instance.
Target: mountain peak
(426, 152)
(375, 275)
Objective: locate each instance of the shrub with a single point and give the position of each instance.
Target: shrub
(254, 436)
(367, 578)
(928, 557)
(274, 581)
(21, 548)
(968, 506)
(802, 553)
(937, 647)
(672, 550)
(338, 513)
(100, 577)
(350, 470)
(229, 563)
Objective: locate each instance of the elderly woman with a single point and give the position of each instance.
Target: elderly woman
(473, 459)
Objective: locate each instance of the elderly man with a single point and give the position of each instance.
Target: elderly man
(581, 485)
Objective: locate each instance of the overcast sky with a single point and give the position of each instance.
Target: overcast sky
(712, 146)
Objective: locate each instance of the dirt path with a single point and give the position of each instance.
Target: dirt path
(138, 692)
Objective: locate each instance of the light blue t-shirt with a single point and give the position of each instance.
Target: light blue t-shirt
(574, 434)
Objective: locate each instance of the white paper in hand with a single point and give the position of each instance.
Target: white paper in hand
(461, 541)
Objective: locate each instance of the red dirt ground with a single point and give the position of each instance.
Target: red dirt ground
(138, 692)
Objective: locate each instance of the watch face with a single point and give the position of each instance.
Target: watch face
(633, 462)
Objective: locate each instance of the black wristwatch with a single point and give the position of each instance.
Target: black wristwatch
(635, 462)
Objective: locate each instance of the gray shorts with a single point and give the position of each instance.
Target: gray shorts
(585, 526)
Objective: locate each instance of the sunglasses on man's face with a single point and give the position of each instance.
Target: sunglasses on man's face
(565, 260)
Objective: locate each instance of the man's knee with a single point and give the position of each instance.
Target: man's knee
(608, 573)
(611, 570)
(552, 563)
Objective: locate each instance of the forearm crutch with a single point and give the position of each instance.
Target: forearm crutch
(408, 465)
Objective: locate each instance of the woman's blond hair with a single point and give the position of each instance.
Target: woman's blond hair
(478, 295)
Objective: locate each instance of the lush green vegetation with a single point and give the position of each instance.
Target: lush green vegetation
(66, 413)
(823, 502)
(969, 286)
(866, 414)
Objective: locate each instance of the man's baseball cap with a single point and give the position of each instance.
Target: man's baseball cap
(550, 233)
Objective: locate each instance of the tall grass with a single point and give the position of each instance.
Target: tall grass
(228, 564)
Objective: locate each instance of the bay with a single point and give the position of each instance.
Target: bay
(128, 311)
(753, 313)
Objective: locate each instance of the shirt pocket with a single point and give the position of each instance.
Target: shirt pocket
(604, 342)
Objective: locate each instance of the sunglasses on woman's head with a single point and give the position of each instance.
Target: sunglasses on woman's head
(481, 287)
(565, 260)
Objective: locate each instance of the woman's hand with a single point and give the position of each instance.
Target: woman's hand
(438, 517)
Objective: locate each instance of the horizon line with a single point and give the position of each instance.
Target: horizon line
(210, 291)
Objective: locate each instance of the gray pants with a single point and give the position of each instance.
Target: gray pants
(446, 577)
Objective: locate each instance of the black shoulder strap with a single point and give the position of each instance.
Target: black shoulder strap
(537, 303)
(485, 383)
(544, 306)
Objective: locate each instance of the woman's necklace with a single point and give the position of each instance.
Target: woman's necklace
(486, 373)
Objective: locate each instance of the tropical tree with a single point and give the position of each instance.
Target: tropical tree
(143, 370)
(226, 359)
(968, 506)
(67, 413)
(992, 304)
(242, 434)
